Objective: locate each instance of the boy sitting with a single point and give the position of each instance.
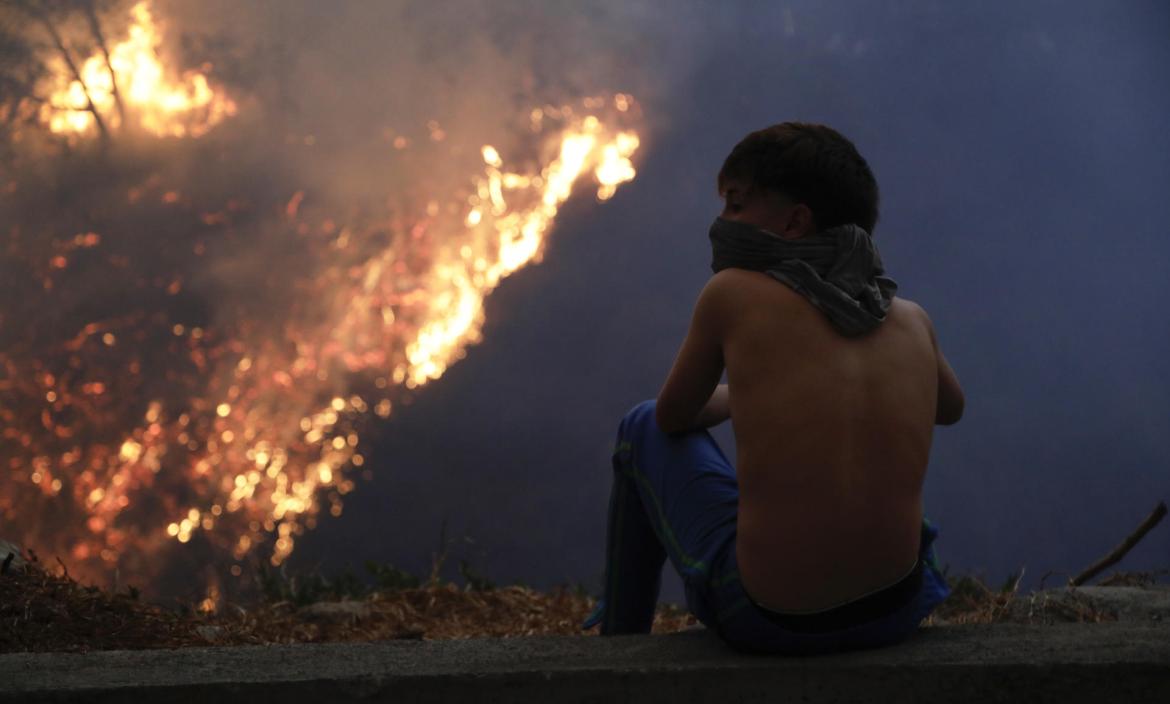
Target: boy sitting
(816, 541)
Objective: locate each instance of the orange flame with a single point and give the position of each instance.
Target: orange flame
(503, 237)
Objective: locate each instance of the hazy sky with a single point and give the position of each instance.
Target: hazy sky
(1024, 165)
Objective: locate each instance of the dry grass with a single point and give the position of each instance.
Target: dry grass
(45, 610)
(433, 612)
(41, 611)
(972, 601)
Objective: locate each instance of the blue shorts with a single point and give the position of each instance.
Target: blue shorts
(676, 497)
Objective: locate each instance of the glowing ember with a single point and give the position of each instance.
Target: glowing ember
(165, 106)
(428, 319)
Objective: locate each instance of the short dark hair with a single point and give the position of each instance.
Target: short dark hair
(814, 164)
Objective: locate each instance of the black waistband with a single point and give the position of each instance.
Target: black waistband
(867, 608)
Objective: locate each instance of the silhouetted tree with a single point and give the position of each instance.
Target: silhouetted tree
(35, 32)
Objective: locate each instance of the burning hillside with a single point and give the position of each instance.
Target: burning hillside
(198, 324)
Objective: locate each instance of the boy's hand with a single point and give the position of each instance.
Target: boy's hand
(717, 409)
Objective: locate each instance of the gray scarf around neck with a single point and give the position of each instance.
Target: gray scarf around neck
(838, 270)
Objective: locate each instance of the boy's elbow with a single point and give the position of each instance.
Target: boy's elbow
(667, 422)
(664, 421)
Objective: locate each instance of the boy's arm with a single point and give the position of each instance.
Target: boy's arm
(950, 395)
(692, 397)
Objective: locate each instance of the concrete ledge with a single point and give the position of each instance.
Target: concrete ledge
(1067, 663)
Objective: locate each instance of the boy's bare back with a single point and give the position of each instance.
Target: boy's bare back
(833, 425)
(832, 435)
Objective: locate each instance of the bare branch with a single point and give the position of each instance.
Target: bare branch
(43, 17)
(95, 28)
(1126, 545)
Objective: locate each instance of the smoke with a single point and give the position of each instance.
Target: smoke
(196, 330)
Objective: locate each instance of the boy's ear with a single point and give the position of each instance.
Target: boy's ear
(800, 222)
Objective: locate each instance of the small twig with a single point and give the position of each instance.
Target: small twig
(62, 566)
(437, 559)
(1119, 552)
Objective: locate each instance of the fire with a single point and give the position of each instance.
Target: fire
(164, 105)
(258, 430)
(237, 435)
(514, 233)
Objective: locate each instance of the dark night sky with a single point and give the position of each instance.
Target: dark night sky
(1024, 164)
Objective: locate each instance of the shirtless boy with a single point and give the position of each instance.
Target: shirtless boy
(816, 540)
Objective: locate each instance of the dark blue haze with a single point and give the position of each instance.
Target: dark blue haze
(1024, 160)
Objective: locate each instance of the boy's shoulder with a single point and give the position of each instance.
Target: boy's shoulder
(738, 288)
(739, 292)
(731, 281)
(913, 310)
